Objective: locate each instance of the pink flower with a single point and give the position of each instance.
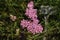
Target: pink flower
(36, 21)
(34, 28)
(30, 5)
(31, 13)
(32, 25)
(24, 23)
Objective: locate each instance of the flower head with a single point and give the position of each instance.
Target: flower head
(35, 28)
(32, 25)
(24, 23)
(31, 13)
(30, 5)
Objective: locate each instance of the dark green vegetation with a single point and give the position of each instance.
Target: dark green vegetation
(17, 7)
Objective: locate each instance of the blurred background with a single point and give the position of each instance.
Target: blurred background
(13, 11)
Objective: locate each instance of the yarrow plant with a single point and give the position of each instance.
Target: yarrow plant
(31, 25)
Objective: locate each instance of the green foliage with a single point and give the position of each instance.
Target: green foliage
(17, 8)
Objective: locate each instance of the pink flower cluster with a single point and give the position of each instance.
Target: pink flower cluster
(30, 12)
(31, 25)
